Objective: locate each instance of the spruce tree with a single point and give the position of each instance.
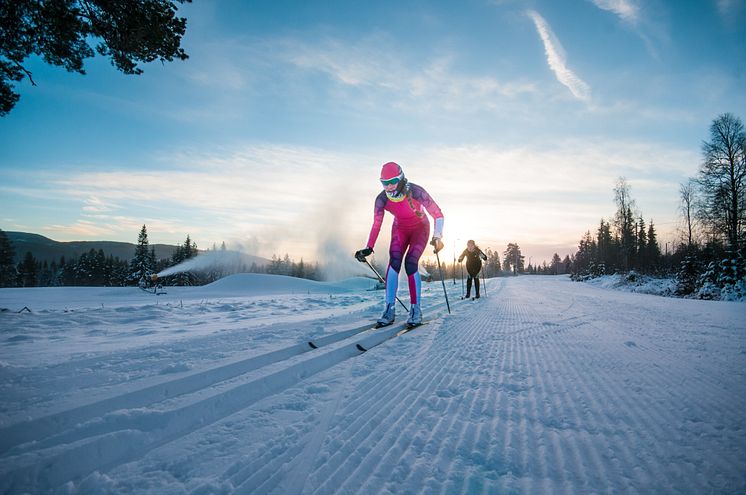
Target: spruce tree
(556, 265)
(8, 273)
(653, 249)
(28, 271)
(567, 264)
(512, 257)
(607, 250)
(142, 265)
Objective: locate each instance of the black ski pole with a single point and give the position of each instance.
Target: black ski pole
(442, 280)
(384, 283)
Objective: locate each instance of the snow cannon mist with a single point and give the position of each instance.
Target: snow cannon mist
(224, 260)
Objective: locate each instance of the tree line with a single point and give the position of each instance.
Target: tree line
(623, 244)
(513, 262)
(708, 260)
(96, 268)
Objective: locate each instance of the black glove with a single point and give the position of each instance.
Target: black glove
(437, 244)
(361, 254)
(483, 256)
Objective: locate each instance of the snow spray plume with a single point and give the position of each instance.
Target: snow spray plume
(334, 251)
(226, 261)
(336, 262)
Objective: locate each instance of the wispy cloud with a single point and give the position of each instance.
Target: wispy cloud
(627, 10)
(376, 69)
(557, 60)
(94, 204)
(649, 28)
(731, 11)
(295, 199)
(266, 193)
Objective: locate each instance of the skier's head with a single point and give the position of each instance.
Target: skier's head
(470, 245)
(392, 177)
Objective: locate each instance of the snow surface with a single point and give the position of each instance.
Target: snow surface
(542, 386)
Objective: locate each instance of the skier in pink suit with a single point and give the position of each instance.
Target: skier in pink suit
(409, 237)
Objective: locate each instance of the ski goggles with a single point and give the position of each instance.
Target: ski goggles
(390, 182)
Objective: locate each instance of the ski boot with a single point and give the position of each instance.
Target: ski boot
(388, 316)
(415, 316)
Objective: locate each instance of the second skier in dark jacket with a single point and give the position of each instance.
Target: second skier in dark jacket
(474, 257)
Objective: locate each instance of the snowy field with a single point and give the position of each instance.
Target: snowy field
(542, 386)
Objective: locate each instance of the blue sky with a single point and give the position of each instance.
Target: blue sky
(517, 116)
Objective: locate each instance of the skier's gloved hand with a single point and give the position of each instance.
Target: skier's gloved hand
(437, 244)
(483, 256)
(362, 253)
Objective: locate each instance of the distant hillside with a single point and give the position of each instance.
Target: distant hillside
(46, 249)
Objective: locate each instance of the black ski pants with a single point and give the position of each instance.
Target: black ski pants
(473, 271)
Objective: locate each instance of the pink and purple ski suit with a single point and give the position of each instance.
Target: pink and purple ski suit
(410, 233)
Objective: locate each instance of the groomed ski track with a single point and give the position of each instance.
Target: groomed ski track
(542, 386)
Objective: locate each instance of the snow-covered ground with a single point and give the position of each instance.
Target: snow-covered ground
(542, 386)
(634, 282)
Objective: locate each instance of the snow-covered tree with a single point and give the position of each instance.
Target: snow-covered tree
(143, 264)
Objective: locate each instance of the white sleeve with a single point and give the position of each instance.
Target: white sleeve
(438, 232)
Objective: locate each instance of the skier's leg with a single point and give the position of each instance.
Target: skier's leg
(476, 285)
(415, 286)
(396, 254)
(417, 243)
(468, 286)
(392, 284)
(392, 279)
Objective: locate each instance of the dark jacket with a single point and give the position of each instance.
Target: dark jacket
(473, 260)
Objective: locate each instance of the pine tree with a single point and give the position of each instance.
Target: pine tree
(687, 276)
(605, 259)
(585, 257)
(143, 264)
(555, 267)
(653, 249)
(27, 271)
(184, 252)
(512, 257)
(492, 266)
(8, 272)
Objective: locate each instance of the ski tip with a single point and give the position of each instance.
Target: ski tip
(312, 345)
(360, 348)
